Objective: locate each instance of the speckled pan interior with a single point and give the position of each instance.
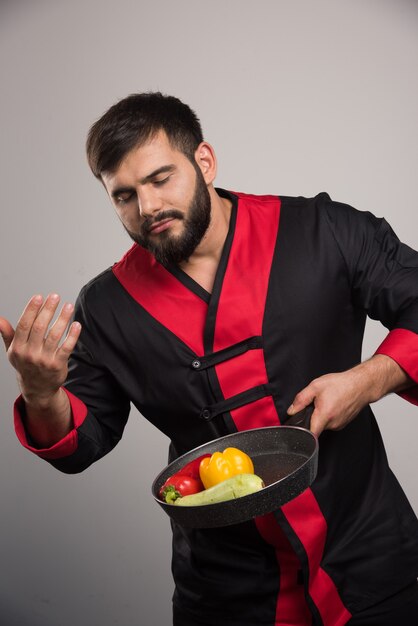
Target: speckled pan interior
(285, 457)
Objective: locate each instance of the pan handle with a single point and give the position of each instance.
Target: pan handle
(302, 418)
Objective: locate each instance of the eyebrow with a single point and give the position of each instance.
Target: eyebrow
(143, 181)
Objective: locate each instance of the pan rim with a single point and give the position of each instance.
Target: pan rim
(213, 508)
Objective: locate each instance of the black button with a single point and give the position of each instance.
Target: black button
(205, 413)
(196, 364)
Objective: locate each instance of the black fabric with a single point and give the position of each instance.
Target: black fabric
(236, 576)
(190, 283)
(332, 267)
(401, 609)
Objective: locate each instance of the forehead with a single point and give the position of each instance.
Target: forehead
(141, 161)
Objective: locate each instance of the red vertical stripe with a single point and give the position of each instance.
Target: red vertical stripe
(240, 315)
(305, 517)
(257, 414)
(242, 303)
(291, 608)
(251, 364)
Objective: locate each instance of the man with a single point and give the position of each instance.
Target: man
(270, 296)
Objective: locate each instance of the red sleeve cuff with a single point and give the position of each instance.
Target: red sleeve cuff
(67, 445)
(402, 346)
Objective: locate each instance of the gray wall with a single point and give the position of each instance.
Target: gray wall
(297, 97)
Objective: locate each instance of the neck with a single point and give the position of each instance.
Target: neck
(203, 263)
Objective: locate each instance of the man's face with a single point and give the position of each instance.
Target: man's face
(161, 199)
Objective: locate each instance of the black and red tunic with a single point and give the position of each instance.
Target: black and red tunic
(296, 281)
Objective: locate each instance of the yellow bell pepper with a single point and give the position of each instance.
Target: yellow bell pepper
(223, 465)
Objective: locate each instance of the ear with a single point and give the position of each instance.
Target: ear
(206, 160)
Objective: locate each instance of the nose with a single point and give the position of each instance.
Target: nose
(149, 202)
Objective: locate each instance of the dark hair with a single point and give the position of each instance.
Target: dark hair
(136, 119)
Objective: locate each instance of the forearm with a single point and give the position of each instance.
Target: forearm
(379, 376)
(47, 422)
(339, 397)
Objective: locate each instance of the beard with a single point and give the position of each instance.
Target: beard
(169, 249)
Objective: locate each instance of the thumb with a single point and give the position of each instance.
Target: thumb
(7, 332)
(301, 400)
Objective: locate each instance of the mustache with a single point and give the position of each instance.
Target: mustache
(164, 215)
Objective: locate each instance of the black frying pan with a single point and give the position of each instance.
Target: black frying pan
(285, 457)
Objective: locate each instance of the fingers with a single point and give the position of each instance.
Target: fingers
(32, 328)
(32, 337)
(57, 330)
(302, 399)
(320, 392)
(34, 348)
(7, 332)
(68, 344)
(338, 397)
(318, 423)
(39, 329)
(27, 319)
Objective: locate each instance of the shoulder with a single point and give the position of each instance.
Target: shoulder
(322, 202)
(105, 287)
(337, 216)
(97, 285)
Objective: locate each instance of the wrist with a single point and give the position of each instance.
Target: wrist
(48, 419)
(43, 402)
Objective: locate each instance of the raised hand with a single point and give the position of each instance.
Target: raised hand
(35, 349)
(39, 352)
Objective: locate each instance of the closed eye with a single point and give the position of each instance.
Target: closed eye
(160, 183)
(124, 199)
